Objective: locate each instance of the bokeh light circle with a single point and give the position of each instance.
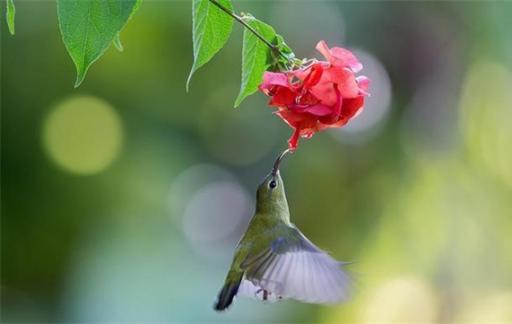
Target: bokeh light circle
(211, 208)
(402, 300)
(215, 211)
(331, 27)
(189, 182)
(485, 108)
(493, 308)
(83, 135)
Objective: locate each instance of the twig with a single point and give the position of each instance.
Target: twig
(251, 29)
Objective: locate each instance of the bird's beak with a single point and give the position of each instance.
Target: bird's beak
(275, 170)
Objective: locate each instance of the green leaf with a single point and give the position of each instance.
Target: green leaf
(256, 57)
(117, 43)
(117, 40)
(283, 61)
(284, 48)
(11, 12)
(88, 27)
(211, 28)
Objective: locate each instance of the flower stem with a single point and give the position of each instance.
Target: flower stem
(251, 29)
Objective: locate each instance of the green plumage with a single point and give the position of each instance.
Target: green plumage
(272, 219)
(274, 258)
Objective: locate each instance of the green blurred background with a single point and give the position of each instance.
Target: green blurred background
(123, 200)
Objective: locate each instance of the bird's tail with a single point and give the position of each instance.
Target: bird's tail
(228, 292)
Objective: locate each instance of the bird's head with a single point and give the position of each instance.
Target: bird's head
(271, 191)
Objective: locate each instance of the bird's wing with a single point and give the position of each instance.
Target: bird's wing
(293, 267)
(248, 289)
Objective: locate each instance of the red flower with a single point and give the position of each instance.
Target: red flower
(321, 95)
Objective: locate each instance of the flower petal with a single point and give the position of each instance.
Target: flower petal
(344, 57)
(324, 50)
(282, 96)
(364, 84)
(271, 79)
(338, 56)
(351, 107)
(319, 96)
(293, 142)
(324, 89)
(315, 74)
(318, 110)
(346, 81)
(335, 109)
(292, 119)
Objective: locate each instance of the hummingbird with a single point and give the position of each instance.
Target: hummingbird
(274, 260)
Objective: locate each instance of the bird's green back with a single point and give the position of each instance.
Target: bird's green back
(270, 221)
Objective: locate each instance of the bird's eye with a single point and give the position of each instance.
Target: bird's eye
(272, 184)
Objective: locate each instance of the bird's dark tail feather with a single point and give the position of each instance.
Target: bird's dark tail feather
(226, 295)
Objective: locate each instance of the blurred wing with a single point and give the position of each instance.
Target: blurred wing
(248, 289)
(293, 267)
